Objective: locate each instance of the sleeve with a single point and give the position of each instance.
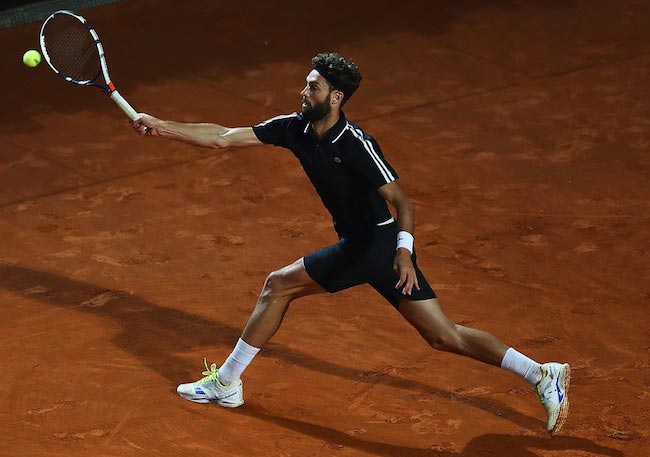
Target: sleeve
(274, 130)
(366, 158)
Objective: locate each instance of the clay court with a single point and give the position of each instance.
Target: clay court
(521, 131)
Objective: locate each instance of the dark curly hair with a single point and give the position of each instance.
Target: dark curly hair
(341, 74)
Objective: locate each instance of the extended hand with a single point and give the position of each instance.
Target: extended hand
(403, 266)
(146, 125)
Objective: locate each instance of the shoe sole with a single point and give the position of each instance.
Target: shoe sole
(205, 400)
(564, 406)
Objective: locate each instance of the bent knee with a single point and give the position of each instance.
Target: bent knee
(272, 284)
(277, 285)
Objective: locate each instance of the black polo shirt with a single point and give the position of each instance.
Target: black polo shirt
(346, 167)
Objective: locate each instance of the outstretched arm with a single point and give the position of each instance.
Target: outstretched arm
(204, 135)
(403, 265)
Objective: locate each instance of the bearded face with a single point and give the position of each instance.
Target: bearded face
(317, 111)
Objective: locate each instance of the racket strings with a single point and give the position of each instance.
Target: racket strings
(71, 48)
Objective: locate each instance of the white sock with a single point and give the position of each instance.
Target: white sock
(237, 361)
(523, 366)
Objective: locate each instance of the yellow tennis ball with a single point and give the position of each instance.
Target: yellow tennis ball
(32, 58)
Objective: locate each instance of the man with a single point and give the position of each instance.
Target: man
(355, 183)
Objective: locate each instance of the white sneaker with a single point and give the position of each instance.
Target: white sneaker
(553, 392)
(210, 389)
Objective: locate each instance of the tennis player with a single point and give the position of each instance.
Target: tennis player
(356, 183)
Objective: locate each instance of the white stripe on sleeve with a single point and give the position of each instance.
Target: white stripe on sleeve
(276, 118)
(385, 172)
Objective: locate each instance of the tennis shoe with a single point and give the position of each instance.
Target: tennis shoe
(209, 389)
(553, 392)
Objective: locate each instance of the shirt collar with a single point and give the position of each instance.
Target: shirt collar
(335, 132)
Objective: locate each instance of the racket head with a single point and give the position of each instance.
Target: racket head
(71, 47)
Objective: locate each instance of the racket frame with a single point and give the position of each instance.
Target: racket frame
(109, 87)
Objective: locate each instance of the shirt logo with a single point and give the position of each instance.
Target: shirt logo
(337, 159)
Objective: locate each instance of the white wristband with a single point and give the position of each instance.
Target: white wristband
(405, 240)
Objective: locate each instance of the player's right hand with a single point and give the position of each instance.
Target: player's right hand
(146, 124)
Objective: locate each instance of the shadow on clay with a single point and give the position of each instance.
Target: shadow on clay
(484, 445)
(154, 334)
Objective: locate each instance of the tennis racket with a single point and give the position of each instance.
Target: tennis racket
(71, 48)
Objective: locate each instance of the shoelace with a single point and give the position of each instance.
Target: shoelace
(210, 373)
(536, 388)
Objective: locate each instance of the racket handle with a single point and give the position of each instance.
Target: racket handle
(122, 103)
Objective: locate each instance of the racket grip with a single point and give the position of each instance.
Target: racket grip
(124, 105)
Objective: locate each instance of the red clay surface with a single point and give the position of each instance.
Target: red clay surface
(521, 131)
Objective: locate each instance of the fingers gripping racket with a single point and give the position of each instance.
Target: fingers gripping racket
(71, 47)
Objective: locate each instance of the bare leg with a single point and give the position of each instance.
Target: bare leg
(223, 385)
(280, 288)
(443, 334)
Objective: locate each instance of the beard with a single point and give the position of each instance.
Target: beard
(315, 113)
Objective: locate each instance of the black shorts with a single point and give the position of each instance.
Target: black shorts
(366, 259)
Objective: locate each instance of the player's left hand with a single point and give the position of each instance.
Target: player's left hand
(403, 266)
